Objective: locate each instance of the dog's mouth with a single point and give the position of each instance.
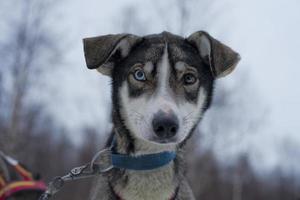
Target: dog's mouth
(163, 140)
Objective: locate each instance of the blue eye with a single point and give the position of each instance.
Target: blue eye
(189, 79)
(139, 75)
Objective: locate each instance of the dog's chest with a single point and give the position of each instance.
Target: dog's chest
(159, 185)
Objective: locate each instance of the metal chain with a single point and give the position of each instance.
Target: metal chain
(100, 163)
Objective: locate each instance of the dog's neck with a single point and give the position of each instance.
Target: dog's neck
(160, 183)
(155, 184)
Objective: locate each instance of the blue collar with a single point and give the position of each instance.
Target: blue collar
(142, 162)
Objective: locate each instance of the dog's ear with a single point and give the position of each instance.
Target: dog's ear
(102, 52)
(221, 58)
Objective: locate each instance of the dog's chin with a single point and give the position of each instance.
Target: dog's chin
(163, 140)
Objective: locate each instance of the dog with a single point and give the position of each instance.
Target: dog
(162, 84)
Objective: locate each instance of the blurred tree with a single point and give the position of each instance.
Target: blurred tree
(27, 131)
(1, 105)
(26, 50)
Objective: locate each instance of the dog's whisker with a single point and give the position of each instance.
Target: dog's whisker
(139, 117)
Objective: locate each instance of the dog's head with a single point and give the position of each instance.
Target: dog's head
(163, 83)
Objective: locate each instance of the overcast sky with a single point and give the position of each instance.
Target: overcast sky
(265, 33)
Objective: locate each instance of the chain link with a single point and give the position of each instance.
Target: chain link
(100, 163)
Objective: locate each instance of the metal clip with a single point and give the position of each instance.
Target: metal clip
(101, 163)
(78, 170)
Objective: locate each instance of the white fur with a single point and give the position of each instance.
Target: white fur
(149, 185)
(164, 73)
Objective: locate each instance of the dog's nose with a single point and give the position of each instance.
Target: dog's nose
(165, 125)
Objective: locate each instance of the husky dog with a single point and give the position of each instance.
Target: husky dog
(161, 86)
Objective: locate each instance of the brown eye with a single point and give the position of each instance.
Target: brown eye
(189, 79)
(139, 75)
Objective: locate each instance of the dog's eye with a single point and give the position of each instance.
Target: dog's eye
(189, 79)
(139, 75)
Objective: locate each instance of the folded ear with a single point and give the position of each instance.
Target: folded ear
(221, 58)
(102, 52)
